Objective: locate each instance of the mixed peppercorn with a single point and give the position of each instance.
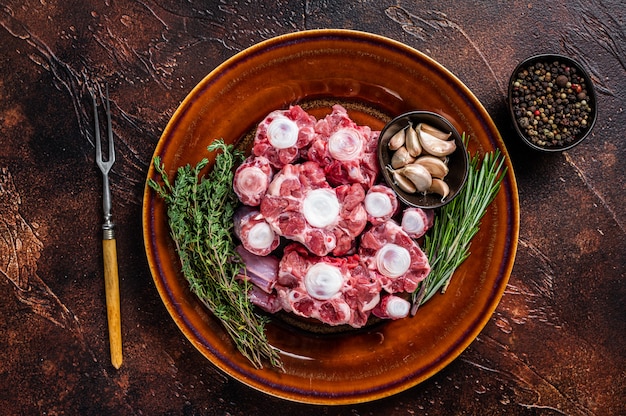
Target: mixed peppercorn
(551, 103)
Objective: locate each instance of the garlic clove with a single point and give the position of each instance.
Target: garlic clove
(412, 142)
(404, 183)
(401, 181)
(440, 187)
(418, 175)
(433, 145)
(401, 157)
(433, 131)
(397, 140)
(434, 165)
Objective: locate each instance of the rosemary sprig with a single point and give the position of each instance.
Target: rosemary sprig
(447, 244)
(200, 215)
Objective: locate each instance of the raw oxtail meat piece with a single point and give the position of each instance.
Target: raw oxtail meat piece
(346, 150)
(333, 290)
(281, 135)
(380, 204)
(392, 307)
(416, 221)
(251, 179)
(394, 257)
(255, 234)
(352, 218)
(300, 205)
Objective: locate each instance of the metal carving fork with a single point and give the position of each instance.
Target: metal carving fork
(109, 249)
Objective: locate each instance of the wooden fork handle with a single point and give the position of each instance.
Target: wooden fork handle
(112, 289)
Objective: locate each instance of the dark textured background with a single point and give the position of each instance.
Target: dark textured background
(555, 345)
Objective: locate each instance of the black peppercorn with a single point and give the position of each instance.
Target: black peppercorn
(562, 81)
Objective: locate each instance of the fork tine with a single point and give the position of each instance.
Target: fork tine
(97, 132)
(109, 128)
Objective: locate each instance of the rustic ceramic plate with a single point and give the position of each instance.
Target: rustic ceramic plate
(375, 78)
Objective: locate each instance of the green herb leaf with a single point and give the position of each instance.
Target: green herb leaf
(200, 215)
(447, 244)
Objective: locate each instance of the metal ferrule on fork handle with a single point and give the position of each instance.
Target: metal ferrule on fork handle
(108, 231)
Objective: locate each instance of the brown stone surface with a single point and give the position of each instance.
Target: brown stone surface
(555, 345)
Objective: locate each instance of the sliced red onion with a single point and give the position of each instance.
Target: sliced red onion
(345, 144)
(269, 302)
(323, 281)
(261, 271)
(393, 260)
(321, 207)
(282, 132)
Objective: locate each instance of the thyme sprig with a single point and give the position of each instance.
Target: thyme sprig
(200, 213)
(447, 244)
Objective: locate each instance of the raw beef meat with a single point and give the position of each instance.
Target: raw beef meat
(394, 257)
(315, 183)
(302, 206)
(381, 204)
(251, 180)
(334, 290)
(254, 232)
(281, 135)
(345, 150)
(352, 218)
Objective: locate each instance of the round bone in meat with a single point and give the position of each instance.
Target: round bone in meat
(251, 180)
(261, 236)
(380, 203)
(392, 307)
(282, 132)
(323, 281)
(256, 235)
(393, 260)
(347, 151)
(379, 236)
(345, 144)
(416, 221)
(321, 207)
